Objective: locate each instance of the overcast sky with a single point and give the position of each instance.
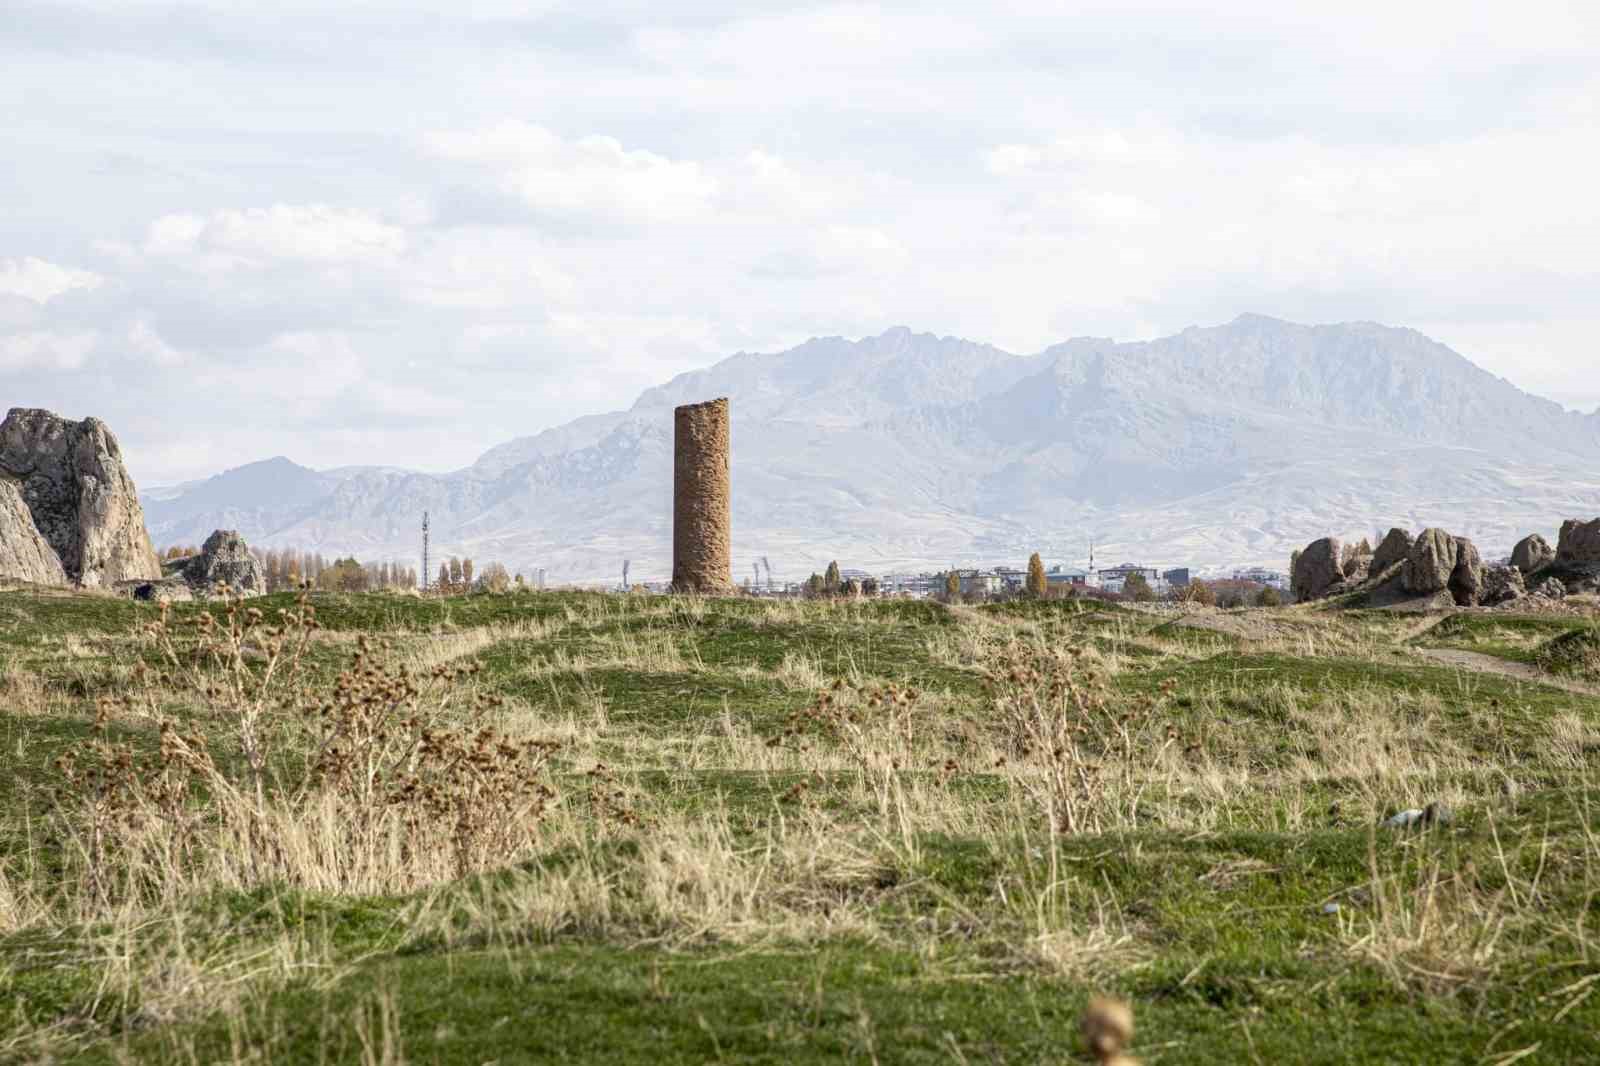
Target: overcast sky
(402, 232)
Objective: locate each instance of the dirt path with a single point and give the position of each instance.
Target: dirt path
(1489, 664)
(1250, 625)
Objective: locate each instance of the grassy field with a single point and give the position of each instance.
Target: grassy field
(567, 826)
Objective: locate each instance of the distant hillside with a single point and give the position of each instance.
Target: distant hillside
(1224, 445)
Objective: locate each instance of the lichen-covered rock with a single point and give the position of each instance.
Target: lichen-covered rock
(1394, 549)
(1502, 584)
(24, 553)
(1580, 542)
(225, 559)
(82, 501)
(1431, 562)
(1532, 553)
(1466, 580)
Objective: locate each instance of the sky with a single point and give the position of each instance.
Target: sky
(398, 233)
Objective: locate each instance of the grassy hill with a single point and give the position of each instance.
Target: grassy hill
(551, 826)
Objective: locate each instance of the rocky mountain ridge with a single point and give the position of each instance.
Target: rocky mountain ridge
(1219, 445)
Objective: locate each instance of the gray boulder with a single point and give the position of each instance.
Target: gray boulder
(1394, 549)
(1532, 553)
(1317, 571)
(1580, 542)
(1431, 562)
(83, 503)
(1502, 584)
(1551, 589)
(1466, 580)
(225, 559)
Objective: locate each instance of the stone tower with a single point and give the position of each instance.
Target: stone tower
(701, 545)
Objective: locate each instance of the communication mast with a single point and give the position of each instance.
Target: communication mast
(625, 575)
(424, 551)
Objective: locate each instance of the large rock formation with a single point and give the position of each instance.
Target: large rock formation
(1431, 562)
(1394, 549)
(225, 559)
(1579, 543)
(1466, 580)
(24, 554)
(1532, 553)
(81, 500)
(1317, 570)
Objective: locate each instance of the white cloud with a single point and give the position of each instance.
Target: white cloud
(148, 343)
(312, 233)
(46, 350)
(594, 175)
(42, 281)
(571, 202)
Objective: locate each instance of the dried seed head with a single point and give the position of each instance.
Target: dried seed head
(1107, 1028)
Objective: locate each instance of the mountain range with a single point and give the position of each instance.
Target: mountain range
(1214, 447)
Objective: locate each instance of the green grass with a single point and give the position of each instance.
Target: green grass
(1510, 637)
(1575, 653)
(892, 894)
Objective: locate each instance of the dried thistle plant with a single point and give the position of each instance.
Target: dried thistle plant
(1077, 748)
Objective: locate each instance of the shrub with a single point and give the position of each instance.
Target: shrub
(1078, 748)
(359, 786)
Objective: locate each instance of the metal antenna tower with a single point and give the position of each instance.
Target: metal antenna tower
(424, 551)
(769, 570)
(625, 575)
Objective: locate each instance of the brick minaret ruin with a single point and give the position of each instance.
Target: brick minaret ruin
(702, 556)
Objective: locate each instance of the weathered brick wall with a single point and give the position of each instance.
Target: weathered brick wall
(701, 523)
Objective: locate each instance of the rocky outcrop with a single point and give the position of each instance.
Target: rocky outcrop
(168, 590)
(1466, 580)
(1579, 543)
(1431, 562)
(1551, 589)
(1394, 549)
(1317, 571)
(1356, 569)
(1502, 584)
(82, 502)
(24, 554)
(225, 559)
(1532, 553)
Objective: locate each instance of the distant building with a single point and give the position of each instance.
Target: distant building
(911, 586)
(1120, 574)
(979, 582)
(1066, 577)
(1178, 578)
(1262, 576)
(1010, 577)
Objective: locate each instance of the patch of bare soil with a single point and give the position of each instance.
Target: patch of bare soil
(1489, 664)
(1246, 625)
